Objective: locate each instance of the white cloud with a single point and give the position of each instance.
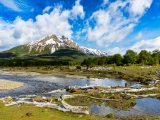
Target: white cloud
(20, 31)
(116, 50)
(119, 34)
(10, 4)
(107, 45)
(32, 9)
(148, 45)
(139, 35)
(77, 10)
(105, 2)
(111, 25)
(84, 31)
(138, 7)
(47, 9)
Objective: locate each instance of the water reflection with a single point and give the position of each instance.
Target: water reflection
(94, 81)
(147, 106)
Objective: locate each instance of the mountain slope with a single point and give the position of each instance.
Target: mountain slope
(65, 54)
(52, 46)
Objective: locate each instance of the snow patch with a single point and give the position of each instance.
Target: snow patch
(53, 49)
(92, 51)
(51, 41)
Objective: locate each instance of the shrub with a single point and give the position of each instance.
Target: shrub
(67, 67)
(117, 97)
(78, 67)
(111, 115)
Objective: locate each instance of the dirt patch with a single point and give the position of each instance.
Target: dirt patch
(52, 75)
(29, 114)
(20, 73)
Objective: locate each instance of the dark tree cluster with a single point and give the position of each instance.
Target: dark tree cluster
(27, 63)
(130, 57)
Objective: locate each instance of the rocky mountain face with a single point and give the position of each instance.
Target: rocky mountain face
(53, 43)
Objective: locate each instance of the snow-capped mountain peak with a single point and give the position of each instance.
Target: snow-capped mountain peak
(92, 51)
(54, 43)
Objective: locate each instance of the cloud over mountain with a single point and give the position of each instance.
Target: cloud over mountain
(21, 31)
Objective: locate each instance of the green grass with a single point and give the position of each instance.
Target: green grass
(124, 102)
(19, 50)
(19, 113)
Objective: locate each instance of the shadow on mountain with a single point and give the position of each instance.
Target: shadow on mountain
(65, 55)
(7, 55)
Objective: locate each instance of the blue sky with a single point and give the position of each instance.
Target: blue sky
(113, 26)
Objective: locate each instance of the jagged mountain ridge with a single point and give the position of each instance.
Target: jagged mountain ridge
(54, 43)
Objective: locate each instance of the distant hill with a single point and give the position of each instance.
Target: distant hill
(52, 47)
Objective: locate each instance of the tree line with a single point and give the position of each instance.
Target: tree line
(29, 63)
(130, 57)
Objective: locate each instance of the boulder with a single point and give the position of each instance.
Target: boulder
(127, 85)
(7, 100)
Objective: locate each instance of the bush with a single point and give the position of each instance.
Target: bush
(67, 67)
(117, 97)
(78, 67)
(129, 64)
(92, 66)
(111, 115)
(84, 65)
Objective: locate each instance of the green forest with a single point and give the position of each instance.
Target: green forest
(130, 57)
(30, 63)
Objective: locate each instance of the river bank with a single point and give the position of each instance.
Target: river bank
(141, 74)
(9, 85)
(44, 74)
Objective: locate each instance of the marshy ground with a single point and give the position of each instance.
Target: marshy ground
(140, 74)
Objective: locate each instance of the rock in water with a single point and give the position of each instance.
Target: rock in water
(7, 100)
